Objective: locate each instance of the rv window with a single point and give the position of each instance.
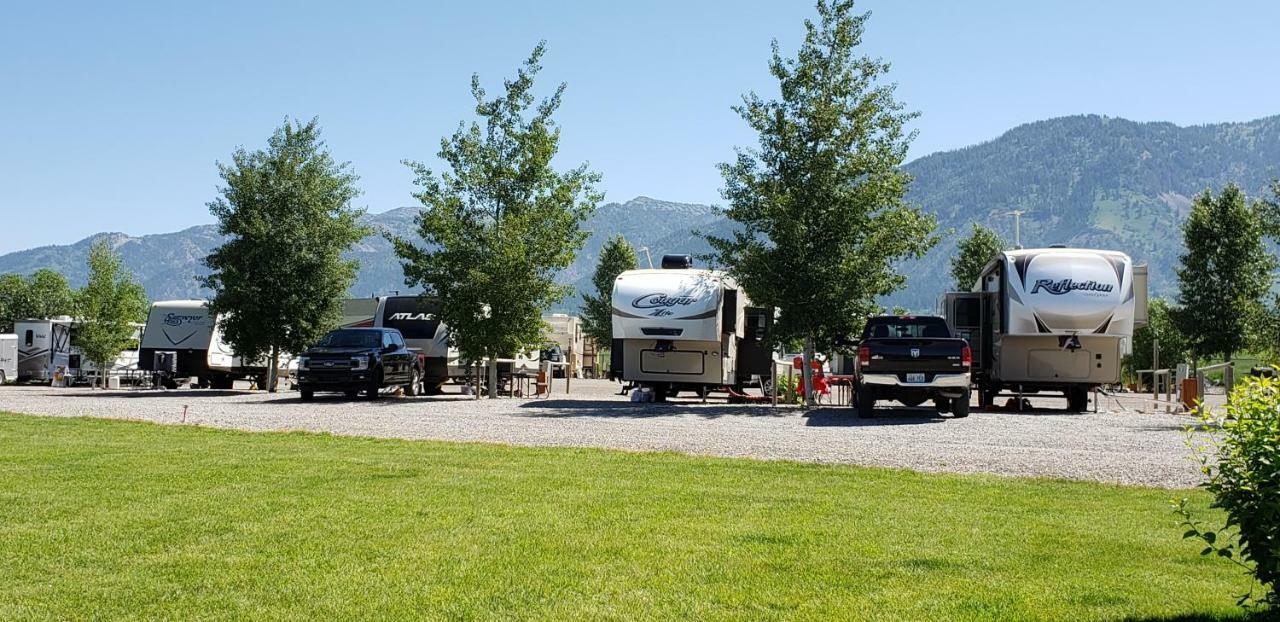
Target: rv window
(29, 338)
(968, 312)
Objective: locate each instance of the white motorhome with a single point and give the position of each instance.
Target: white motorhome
(1050, 319)
(44, 348)
(8, 358)
(685, 329)
(182, 340)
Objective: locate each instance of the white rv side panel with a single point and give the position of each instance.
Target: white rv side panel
(9, 357)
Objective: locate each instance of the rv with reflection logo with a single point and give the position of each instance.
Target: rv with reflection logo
(1050, 320)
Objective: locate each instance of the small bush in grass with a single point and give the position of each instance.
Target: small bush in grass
(1240, 454)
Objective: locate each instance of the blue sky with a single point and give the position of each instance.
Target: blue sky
(112, 115)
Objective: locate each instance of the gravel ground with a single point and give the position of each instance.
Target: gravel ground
(1119, 445)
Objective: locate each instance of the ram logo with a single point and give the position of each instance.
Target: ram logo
(411, 317)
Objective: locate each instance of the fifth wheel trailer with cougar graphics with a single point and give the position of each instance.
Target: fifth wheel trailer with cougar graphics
(685, 329)
(1050, 320)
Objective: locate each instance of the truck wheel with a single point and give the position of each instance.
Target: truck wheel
(374, 387)
(414, 388)
(307, 395)
(866, 403)
(960, 406)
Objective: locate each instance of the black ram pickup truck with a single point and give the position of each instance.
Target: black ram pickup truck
(355, 360)
(912, 359)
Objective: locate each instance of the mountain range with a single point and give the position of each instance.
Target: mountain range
(1085, 181)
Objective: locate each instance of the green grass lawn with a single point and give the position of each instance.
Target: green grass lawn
(102, 519)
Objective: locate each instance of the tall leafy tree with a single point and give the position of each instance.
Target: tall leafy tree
(278, 282)
(1160, 328)
(107, 306)
(973, 254)
(501, 221)
(821, 199)
(42, 294)
(1225, 272)
(616, 257)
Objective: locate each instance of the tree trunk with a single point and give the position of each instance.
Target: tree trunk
(273, 366)
(493, 377)
(807, 371)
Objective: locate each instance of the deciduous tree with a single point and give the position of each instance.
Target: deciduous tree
(973, 254)
(42, 294)
(106, 308)
(821, 199)
(616, 257)
(1225, 272)
(279, 281)
(501, 222)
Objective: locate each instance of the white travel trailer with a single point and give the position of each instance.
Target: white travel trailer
(1050, 319)
(8, 358)
(44, 348)
(182, 340)
(685, 329)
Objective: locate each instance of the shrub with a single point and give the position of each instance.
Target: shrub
(1239, 453)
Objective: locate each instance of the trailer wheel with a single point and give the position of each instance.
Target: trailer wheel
(1077, 399)
(866, 403)
(960, 406)
(986, 397)
(3, 379)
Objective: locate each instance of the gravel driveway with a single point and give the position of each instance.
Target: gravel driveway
(1120, 446)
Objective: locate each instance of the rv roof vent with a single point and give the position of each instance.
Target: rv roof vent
(677, 262)
(1057, 246)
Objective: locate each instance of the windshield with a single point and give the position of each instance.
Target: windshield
(351, 339)
(906, 327)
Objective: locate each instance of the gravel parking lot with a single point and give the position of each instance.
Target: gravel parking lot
(1117, 445)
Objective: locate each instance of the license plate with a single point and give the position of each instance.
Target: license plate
(915, 377)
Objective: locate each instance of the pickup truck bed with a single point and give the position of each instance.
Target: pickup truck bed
(912, 359)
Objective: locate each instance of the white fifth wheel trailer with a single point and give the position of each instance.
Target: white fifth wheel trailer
(44, 348)
(417, 319)
(1050, 319)
(685, 329)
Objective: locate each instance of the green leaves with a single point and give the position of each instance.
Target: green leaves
(1245, 482)
(279, 280)
(500, 223)
(821, 197)
(108, 304)
(1224, 274)
(43, 294)
(973, 254)
(616, 257)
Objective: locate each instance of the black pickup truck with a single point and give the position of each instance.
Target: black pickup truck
(355, 360)
(912, 359)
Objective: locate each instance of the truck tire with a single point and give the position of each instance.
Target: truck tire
(866, 403)
(960, 406)
(374, 388)
(307, 395)
(414, 388)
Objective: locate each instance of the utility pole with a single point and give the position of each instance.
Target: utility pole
(1017, 226)
(647, 256)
